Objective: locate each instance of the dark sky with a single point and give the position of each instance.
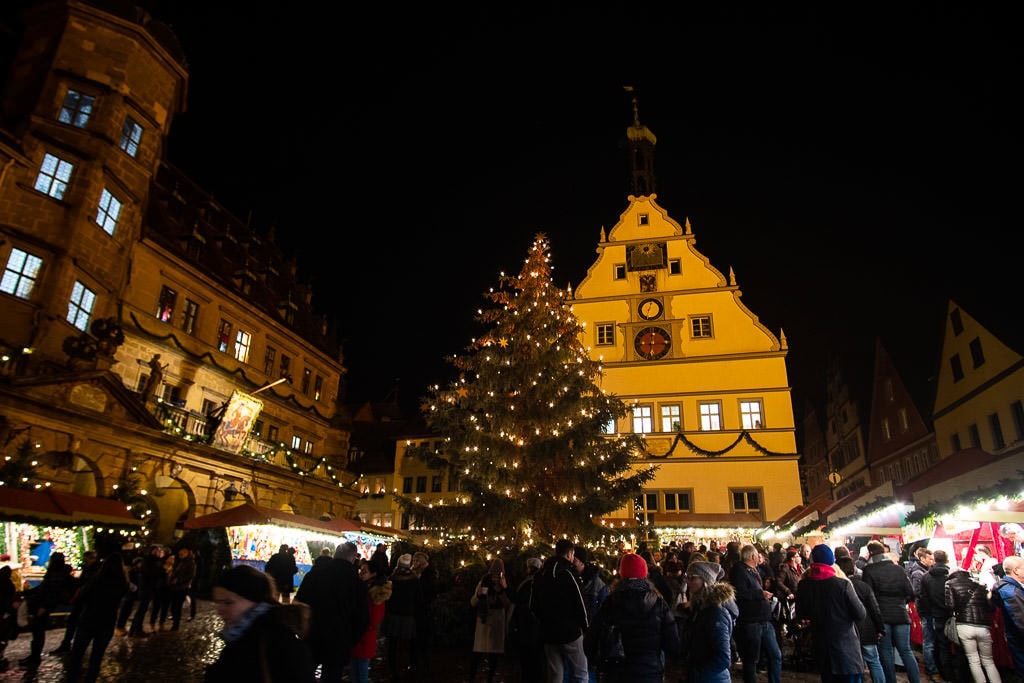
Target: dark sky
(855, 171)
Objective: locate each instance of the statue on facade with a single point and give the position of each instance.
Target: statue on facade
(156, 377)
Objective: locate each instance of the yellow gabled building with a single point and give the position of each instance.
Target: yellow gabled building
(707, 381)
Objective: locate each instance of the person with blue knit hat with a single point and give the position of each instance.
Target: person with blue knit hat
(827, 599)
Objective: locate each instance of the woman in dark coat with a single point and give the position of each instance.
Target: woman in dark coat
(706, 622)
(645, 621)
(100, 599)
(969, 602)
(259, 643)
(830, 603)
(57, 588)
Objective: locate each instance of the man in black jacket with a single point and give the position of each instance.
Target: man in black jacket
(558, 603)
(931, 601)
(754, 632)
(891, 587)
(282, 568)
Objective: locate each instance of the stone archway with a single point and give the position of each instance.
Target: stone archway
(173, 500)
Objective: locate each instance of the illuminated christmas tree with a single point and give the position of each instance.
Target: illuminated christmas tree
(18, 471)
(524, 426)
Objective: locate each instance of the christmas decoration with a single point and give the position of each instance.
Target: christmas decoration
(18, 471)
(523, 426)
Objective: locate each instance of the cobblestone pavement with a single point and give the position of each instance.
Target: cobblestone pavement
(180, 657)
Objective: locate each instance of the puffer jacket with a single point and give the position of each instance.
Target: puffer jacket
(647, 625)
(707, 625)
(892, 588)
(968, 599)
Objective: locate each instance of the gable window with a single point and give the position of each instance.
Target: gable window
(21, 273)
(307, 375)
(76, 108)
(750, 415)
(131, 137)
(671, 418)
(269, 356)
(188, 323)
(974, 435)
(223, 336)
(890, 394)
(956, 367)
(700, 326)
(997, 431)
(318, 387)
(954, 441)
(243, 340)
(80, 306)
(886, 432)
(107, 212)
(644, 219)
(901, 418)
(678, 501)
(746, 500)
(675, 266)
(977, 355)
(165, 307)
(1017, 410)
(710, 416)
(605, 334)
(643, 422)
(54, 176)
(619, 271)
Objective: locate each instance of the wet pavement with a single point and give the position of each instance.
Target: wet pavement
(180, 657)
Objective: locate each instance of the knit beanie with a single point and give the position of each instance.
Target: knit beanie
(247, 582)
(632, 566)
(822, 554)
(405, 560)
(711, 572)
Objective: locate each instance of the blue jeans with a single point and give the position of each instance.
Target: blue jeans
(870, 654)
(360, 670)
(897, 638)
(942, 649)
(928, 646)
(754, 640)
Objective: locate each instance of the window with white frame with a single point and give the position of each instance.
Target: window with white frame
(131, 137)
(165, 306)
(710, 416)
(746, 500)
(750, 415)
(605, 334)
(678, 501)
(243, 340)
(54, 176)
(223, 335)
(308, 447)
(671, 418)
(21, 273)
(296, 442)
(80, 306)
(643, 420)
(644, 507)
(609, 427)
(700, 326)
(76, 108)
(188, 322)
(107, 212)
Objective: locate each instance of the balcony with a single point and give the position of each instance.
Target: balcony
(194, 426)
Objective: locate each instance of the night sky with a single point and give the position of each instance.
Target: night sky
(855, 171)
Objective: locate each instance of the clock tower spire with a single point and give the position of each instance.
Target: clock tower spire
(640, 142)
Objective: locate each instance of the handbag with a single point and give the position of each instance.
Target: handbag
(610, 653)
(950, 630)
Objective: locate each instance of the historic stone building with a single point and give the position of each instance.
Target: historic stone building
(134, 308)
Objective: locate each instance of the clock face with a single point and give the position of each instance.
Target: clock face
(652, 343)
(649, 309)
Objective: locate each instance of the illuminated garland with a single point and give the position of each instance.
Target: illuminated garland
(877, 504)
(1008, 488)
(681, 438)
(293, 463)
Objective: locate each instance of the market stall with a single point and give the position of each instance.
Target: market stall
(36, 524)
(254, 533)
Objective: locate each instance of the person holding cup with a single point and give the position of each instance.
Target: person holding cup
(492, 603)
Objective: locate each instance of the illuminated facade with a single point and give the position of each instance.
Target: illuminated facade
(134, 306)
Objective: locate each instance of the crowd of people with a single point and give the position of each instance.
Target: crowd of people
(699, 612)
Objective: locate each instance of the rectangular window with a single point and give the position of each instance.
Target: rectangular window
(954, 441)
(435, 483)
(257, 427)
(675, 266)
(974, 435)
(406, 520)
(421, 484)
(318, 388)
(286, 364)
(643, 422)
(746, 500)
(307, 376)
(54, 176)
(1017, 410)
(223, 336)
(188, 323)
(307, 447)
(243, 340)
(619, 271)
(671, 418)
(700, 326)
(645, 506)
(406, 484)
(378, 486)
(977, 355)
(750, 415)
(710, 416)
(131, 137)
(605, 334)
(904, 422)
(609, 427)
(80, 306)
(998, 442)
(678, 501)
(76, 108)
(643, 219)
(956, 367)
(269, 358)
(107, 212)
(272, 433)
(165, 306)
(296, 442)
(21, 273)
(886, 431)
